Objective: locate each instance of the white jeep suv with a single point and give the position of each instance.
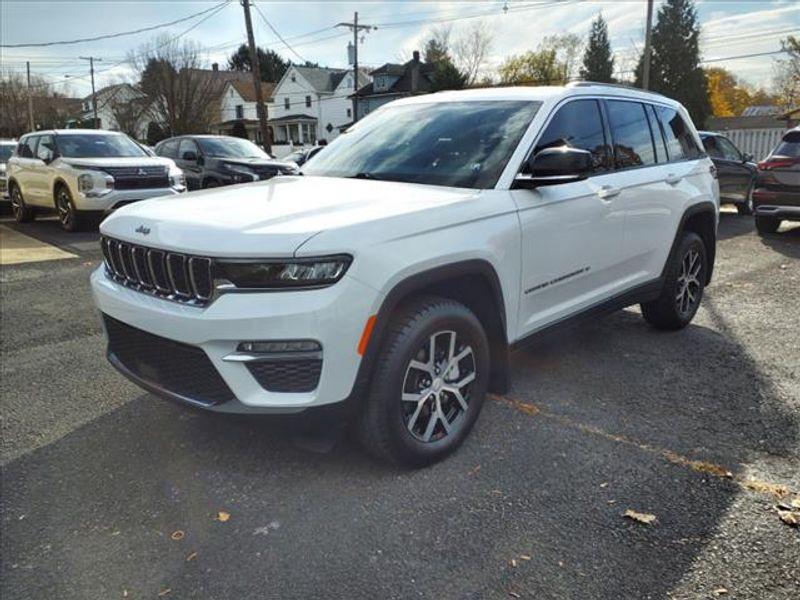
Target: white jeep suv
(77, 172)
(392, 277)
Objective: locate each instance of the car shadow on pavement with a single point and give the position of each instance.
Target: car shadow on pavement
(786, 241)
(48, 230)
(731, 225)
(155, 497)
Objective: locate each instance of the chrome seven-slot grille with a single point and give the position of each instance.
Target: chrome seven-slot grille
(171, 275)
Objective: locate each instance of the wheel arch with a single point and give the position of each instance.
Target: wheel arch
(59, 182)
(701, 219)
(475, 284)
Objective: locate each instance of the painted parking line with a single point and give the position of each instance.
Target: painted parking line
(16, 248)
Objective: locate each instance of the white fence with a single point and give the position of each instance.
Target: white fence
(758, 142)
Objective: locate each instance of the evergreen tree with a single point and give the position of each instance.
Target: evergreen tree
(675, 62)
(446, 76)
(270, 63)
(598, 63)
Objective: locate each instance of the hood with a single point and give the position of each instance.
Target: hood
(254, 162)
(274, 217)
(126, 161)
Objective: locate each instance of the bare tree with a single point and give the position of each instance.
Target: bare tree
(51, 108)
(14, 100)
(184, 97)
(786, 80)
(470, 49)
(568, 48)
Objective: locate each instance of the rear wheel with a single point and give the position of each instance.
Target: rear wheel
(21, 211)
(70, 218)
(683, 286)
(766, 225)
(429, 383)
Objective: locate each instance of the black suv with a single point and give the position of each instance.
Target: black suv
(214, 160)
(777, 192)
(736, 171)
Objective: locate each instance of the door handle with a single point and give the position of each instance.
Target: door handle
(607, 192)
(673, 179)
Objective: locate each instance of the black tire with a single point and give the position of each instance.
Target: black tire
(746, 208)
(392, 427)
(767, 225)
(71, 219)
(210, 183)
(21, 211)
(683, 286)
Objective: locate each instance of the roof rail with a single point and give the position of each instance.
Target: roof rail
(623, 86)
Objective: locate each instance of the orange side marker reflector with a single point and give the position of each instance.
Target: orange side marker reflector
(364, 341)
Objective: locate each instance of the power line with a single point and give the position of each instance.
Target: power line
(754, 55)
(279, 36)
(115, 35)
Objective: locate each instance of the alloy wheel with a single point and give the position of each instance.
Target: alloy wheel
(689, 286)
(16, 203)
(64, 207)
(436, 387)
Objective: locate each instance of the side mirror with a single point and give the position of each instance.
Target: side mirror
(746, 157)
(190, 156)
(553, 166)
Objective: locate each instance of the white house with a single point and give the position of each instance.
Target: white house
(238, 104)
(120, 107)
(312, 104)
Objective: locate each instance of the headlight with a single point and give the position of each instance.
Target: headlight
(85, 182)
(240, 173)
(278, 274)
(177, 179)
(2, 167)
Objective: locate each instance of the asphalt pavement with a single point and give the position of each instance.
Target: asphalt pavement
(108, 492)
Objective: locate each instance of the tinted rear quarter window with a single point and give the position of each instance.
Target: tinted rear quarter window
(168, 149)
(630, 130)
(578, 124)
(680, 141)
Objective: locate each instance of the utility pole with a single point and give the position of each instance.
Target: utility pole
(261, 108)
(648, 50)
(91, 60)
(356, 28)
(30, 97)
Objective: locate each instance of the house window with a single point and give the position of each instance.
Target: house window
(308, 101)
(349, 113)
(293, 77)
(239, 111)
(287, 104)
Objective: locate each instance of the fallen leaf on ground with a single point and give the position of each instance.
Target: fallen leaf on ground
(223, 516)
(514, 595)
(177, 535)
(124, 593)
(721, 591)
(525, 557)
(789, 517)
(604, 484)
(164, 592)
(795, 503)
(777, 490)
(475, 470)
(191, 556)
(513, 562)
(645, 518)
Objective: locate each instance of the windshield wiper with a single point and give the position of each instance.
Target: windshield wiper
(362, 175)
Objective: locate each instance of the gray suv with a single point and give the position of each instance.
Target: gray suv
(776, 197)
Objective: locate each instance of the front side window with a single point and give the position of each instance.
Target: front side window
(457, 144)
(729, 151)
(711, 147)
(230, 147)
(680, 141)
(188, 145)
(90, 145)
(578, 124)
(630, 130)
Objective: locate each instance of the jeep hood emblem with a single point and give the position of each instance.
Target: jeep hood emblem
(143, 230)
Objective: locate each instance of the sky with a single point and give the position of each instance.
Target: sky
(729, 29)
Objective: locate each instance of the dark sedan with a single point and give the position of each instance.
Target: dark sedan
(736, 171)
(214, 160)
(777, 192)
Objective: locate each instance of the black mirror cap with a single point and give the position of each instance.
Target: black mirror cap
(189, 155)
(553, 166)
(747, 157)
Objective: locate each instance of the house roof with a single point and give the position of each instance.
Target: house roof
(110, 91)
(403, 83)
(296, 117)
(760, 111)
(247, 90)
(324, 79)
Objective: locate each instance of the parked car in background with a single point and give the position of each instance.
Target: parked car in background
(80, 172)
(776, 196)
(736, 171)
(214, 160)
(6, 149)
(391, 280)
(302, 156)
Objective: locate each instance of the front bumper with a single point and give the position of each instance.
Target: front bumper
(334, 316)
(118, 198)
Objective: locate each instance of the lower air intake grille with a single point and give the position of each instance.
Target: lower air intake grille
(172, 366)
(289, 375)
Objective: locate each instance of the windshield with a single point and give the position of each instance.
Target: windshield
(230, 148)
(5, 152)
(458, 144)
(89, 145)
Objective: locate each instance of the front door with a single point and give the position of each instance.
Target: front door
(571, 233)
(734, 175)
(191, 167)
(42, 192)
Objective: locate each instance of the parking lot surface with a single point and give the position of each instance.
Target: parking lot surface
(109, 492)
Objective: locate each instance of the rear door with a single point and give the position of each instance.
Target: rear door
(26, 158)
(572, 232)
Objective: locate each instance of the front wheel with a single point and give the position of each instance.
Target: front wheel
(429, 383)
(683, 286)
(69, 217)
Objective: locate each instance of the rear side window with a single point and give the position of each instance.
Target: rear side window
(711, 147)
(578, 124)
(168, 149)
(789, 146)
(680, 141)
(630, 130)
(27, 147)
